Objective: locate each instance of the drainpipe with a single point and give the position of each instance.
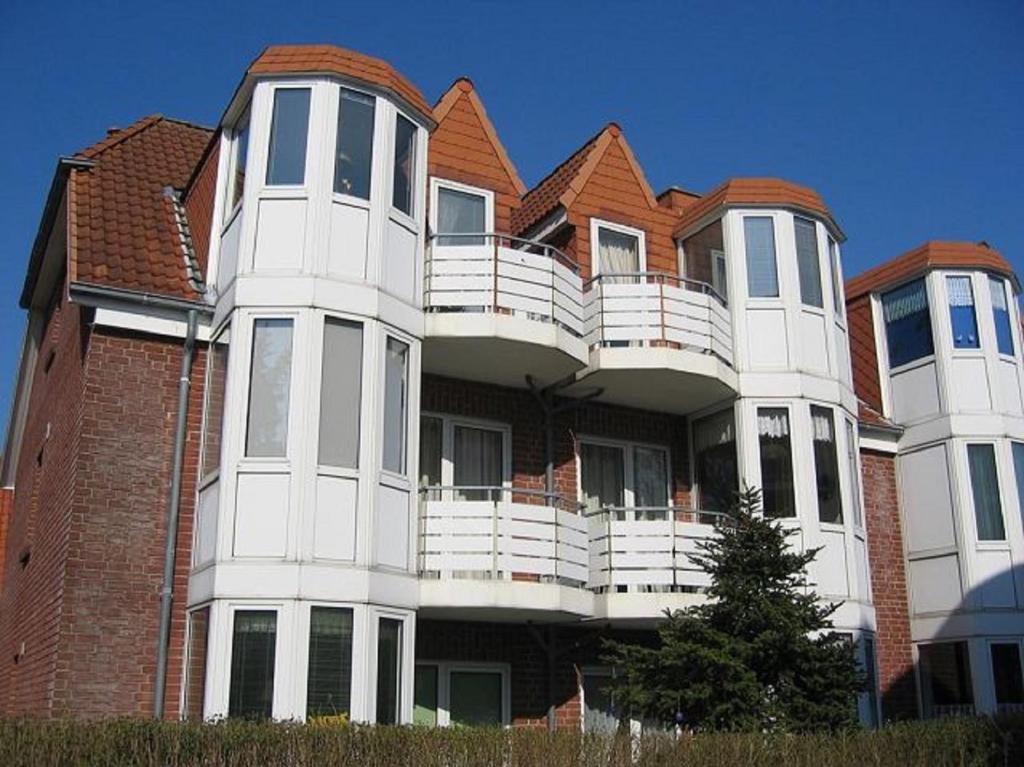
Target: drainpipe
(173, 509)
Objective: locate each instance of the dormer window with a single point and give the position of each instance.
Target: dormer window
(289, 131)
(461, 214)
(353, 148)
(405, 165)
(619, 249)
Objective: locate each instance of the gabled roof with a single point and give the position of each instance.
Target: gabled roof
(463, 89)
(758, 192)
(561, 187)
(933, 254)
(124, 230)
(330, 59)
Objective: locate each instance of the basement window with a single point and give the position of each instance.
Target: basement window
(946, 679)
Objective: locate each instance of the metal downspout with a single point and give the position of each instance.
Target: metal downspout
(173, 509)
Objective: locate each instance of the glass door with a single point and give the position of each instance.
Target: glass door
(478, 458)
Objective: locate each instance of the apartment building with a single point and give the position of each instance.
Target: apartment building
(323, 411)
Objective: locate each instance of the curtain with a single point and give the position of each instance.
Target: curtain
(908, 327)
(601, 469)
(988, 511)
(478, 461)
(773, 423)
(808, 262)
(961, 312)
(650, 479)
(776, 462)
(762, 271)
(460, 213)
(826, 466)
(714, 447)
(618, 253)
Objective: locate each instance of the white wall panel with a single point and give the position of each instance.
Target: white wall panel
(926, 499)
(347, 249)
(993, 579)
(830, 566)
(206, 525)
(813, 347)
(392, 526)
(280, 234)
(334, 526)
(970, 384)
(915, 393)
(399, 268)
(1009, 388)
(935, 584)
(261, 515)
(766, 334)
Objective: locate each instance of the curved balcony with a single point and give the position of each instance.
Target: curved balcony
(678, 331)
(523, 299)
(502, 553)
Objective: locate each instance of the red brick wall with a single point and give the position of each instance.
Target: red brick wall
(6, 502)
(889, 586)
(863, 352)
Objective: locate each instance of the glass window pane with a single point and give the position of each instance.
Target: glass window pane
(424, 710)
(808, 262)
(389, 670)
(650, 478)
(353, 148)
(477, 458)
(945, 676)
(776, 462)
(1001, 315)
(405, 165)
(195, 670)
(460, 213)
(240, 145)
(851, 456)
(714, 448)
(826, 465)
(341, 393)
(1006, 671)
(988, 510)
(289, 130)
(269, 388)
(253, 648)
(618, 252)
(396, 394)
(602, 476)
(837, 277)
(329, 680)
(1018, 472)
(476, 698)
(216, 386)
(599, 714)
(961, 313)
(908, 326)
(762, 270)
(431, 445)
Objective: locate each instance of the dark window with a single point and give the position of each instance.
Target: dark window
(240, 147)
(329, 683)
(776, 462)
(389, 670)
(353, 152)
(289, 131)
(1006, 671)
(945, 676)
(988, 508)
(1018, 473)
(252, 664)
(195, 670)
(808, 262)
(962, 317)
(1001, 315)
(425, 696)
(405, 165)
(476, 698)
(714, 448)
(826, 465)
(908, 327)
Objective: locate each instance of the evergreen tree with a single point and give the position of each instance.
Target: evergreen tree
(758, 655)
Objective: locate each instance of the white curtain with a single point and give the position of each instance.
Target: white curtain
(602, 476)
(618, 253)
(959, 289)
(717, 429)
(773, 422)
(822, 424)
(906, 301)
(998, 291)
(650, 477)
(478, 461)
(460, 213)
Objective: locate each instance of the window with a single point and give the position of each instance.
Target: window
(762, 269)
(703, 258)
(1001, 315)
(389, 671)
(460, 213)
(195, 669)
(289, 130)
(269, 389)
(776, 462)
(946, 678)
(239, 157)
(625, 477)
(476, 698)
(431, 452)
(988, 511)
(216, 386)
(961, 313)
(717, 471)
(329, 681)
(908, 327)
(837, 277)
(451, 694)
(478, 459)
(405, 165)
(341, 393)
(599, 711)
(1018, 473)
(353, 148)
(1006, 672)
(808, 262)
(396, 403)
(618, 252)
(826, 465)
(602, 476)
(854, 468)
(719, 274)
(253, 647)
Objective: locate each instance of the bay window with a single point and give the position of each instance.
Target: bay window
(460, 213)
(253, 651)
(289, 133)
(908, 326)
(776, 453)
(396, 404)
(404, 166)
(340, 393)
(329, 677)
(762, 268)
(962, 318)
(988, 509)
(716, 467)
(269, 388)
(1001, 315)
(353, 148)
(808, 262)
(826, 465)
(389, 671)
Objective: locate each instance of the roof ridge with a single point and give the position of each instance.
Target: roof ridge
(120, 135)
(585, 145)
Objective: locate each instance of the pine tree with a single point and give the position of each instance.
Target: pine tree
(758, 655)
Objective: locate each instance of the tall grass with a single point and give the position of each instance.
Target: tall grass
(146, 743)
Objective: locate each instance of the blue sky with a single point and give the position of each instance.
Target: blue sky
(907, 117)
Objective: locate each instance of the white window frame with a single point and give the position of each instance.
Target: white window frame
(822, 273)
(436, 184)
(231, 211)
(448, 424)
(249, 462)
(883, 335)
(796, 469)
(996, 544)
(282, 687)
(321, 320)
(267, 189)
(835, 273)
(627, 448)
(402, 477)
(409, 220)
(444, 671)
(596, 225)
(779, 277)
(332, 145)
(406, 658)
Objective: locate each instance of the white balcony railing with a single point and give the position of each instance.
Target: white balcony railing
(503, 275)
(950, 710)
(501, 533)
(656, 309)
(648, 548)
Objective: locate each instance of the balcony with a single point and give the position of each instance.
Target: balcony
(524, 298)
(501, 553)
(677, 331)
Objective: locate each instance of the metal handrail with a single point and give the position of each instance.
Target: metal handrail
(659, 278)
(497, 237)
(555, 500)
(719, 517)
